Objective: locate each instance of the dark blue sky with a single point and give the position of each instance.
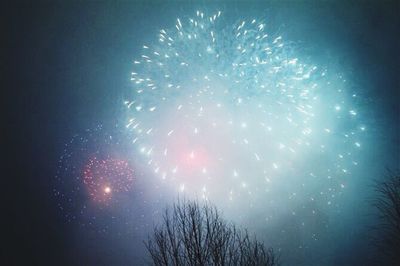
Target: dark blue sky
(66, 67)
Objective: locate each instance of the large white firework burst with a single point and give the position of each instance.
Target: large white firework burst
(230, 112)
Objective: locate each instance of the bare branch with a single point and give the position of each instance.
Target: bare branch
(194, 234)
(387, 203)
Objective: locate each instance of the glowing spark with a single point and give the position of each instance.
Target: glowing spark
(107, 190)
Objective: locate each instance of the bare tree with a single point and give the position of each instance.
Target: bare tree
(387, 203)
(195, 234)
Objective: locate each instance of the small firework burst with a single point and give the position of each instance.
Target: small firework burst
(94, 174)
(107, 177)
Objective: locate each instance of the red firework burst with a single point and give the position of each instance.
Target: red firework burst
(107, 178)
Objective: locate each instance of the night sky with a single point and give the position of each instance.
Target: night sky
(74, 111)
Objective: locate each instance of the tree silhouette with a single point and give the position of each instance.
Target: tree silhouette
(387, 203)
(195, 234)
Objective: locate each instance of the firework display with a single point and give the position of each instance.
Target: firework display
(280, 118)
